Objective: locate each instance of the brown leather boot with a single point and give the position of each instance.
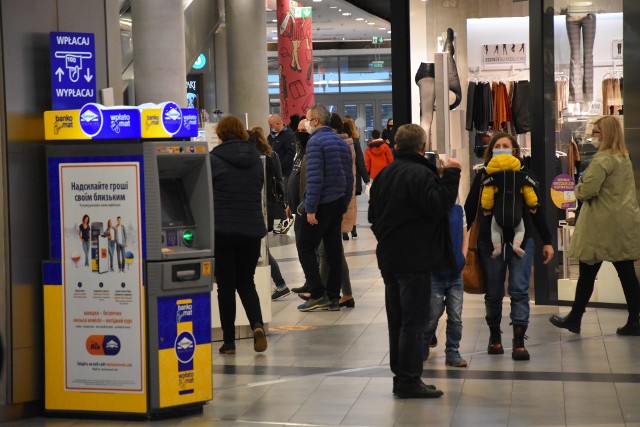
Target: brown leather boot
(495, 341)
(519, 352)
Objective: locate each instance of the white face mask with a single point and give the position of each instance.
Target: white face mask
(595, 141)
(497, 152)
(309, 128)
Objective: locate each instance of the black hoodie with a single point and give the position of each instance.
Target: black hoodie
(238, 176)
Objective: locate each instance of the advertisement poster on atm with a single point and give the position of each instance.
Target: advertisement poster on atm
(100, 212)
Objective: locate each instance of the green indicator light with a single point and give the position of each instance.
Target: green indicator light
(187, 236)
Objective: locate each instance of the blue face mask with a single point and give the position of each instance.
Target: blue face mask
(499, 151)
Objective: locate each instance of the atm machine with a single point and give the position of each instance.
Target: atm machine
(134, 342)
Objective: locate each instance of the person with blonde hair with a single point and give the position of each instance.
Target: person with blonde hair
(361, 169)
(608, 227)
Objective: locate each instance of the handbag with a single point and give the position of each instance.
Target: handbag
(472, 276)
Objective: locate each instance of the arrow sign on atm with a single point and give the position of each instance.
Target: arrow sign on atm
(73, 62)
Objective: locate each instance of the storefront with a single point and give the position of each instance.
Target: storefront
(570, 56)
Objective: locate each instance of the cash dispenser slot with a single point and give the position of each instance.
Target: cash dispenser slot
(185, 272)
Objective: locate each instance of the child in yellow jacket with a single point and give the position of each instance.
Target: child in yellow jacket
(501, 196)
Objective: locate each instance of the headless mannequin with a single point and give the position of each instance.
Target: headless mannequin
(425, 79)
(580, 7)
(454, 79)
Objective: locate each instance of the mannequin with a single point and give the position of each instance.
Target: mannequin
(454, 80)
(580, 7)
(425, 79)
(581, 26)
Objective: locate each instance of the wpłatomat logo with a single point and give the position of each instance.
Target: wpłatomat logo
(91, 119)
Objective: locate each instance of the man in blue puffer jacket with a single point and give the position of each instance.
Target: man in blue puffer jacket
(329, 177)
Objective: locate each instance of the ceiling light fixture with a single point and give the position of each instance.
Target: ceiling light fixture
(359, 19)
(371, 23)
(381, 28)
(346, 13)
(274, 20)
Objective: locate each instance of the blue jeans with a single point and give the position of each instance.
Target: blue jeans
(276, 275)
(495, 270)
(447, 293)
(406, 298)
(85, 248)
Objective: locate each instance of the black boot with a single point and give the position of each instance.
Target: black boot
(519, 352)
(632, 327)
(495, 341)
(571, 321)
(454, 79)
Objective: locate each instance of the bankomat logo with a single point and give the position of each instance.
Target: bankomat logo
(91, 119)
(62, 122)
(103, 345)
(171, 118)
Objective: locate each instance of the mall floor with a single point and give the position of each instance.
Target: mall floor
(332, 368)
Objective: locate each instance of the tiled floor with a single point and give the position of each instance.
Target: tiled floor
(332, 368)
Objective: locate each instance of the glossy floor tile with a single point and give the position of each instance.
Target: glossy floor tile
(332, 368)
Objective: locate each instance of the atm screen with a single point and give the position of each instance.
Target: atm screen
(175, 208)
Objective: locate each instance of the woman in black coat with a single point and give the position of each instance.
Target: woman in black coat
(238, 177)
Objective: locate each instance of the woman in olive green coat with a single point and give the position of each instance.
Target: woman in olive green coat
(608, 227)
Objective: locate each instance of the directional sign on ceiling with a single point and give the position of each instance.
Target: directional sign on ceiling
(73, 70)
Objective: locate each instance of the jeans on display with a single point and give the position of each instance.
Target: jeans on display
(235, 265)
(407, 303)
(628, 279)
(276, 275)
(449, 294)
(329, 216)
(581, 27)
(495, 270)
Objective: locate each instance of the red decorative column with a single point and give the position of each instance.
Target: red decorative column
(295, 58)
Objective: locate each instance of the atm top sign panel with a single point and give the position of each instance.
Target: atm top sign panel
(73, 70)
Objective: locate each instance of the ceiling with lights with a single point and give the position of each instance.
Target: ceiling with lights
(338, 20)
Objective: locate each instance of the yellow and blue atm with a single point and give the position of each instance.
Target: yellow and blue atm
(127, 287)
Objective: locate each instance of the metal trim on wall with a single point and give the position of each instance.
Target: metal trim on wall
(5, 337)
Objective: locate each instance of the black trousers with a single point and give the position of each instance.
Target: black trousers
(520, 107)
(408, 300)
(329, 216)
(236, 260)
(628, 279)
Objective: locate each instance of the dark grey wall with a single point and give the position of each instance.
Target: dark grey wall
(26, 80)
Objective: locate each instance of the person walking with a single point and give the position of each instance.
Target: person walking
(361, 170)
(519, 267)
(377, 155)
(608, 226)
(283, 141)
(329, 186)
(409, 215)
(237, 177)
(275, 195)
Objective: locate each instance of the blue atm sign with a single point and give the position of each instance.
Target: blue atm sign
(73, 70)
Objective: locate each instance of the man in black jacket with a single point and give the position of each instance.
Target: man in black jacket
(283, 142)
(408, 210)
